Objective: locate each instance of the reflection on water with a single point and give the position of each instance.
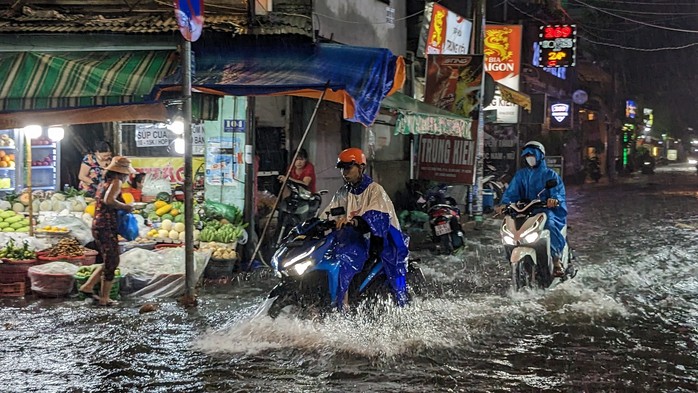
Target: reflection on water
(625, 323)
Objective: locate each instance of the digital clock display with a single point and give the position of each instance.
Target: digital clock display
(557, 46)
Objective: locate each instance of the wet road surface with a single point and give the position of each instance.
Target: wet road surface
(627, 322)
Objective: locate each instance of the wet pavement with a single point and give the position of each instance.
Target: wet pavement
(626, 323)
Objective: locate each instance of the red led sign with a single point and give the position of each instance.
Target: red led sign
(557, 46)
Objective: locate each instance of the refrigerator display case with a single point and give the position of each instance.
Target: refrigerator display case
(9, 154)
(44, 162)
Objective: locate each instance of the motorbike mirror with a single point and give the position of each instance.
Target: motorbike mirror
(550, 183)
(338, 211)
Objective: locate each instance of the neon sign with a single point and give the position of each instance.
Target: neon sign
(557, 46)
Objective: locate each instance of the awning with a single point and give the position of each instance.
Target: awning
(359, 77)
(417, 117)
(515, 97)
(54, 80)
(148, 112)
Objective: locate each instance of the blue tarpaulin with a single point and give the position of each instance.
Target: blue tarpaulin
(359, 77)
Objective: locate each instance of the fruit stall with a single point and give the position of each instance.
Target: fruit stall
(61, 255)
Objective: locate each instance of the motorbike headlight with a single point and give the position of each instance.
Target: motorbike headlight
(509, 240)
(300, 268)
(299, 257)
(531, 237)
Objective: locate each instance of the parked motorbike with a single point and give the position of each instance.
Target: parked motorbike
(300, 205)
(527, 245)
(444, 220)
(594, 169)
(316, 258)
(495, 181)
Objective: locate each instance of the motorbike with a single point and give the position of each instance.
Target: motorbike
(444, 220)
(594, 169)
(495, 182)
(527, 245)
(317, 263)
(299, 206)
(647, 166)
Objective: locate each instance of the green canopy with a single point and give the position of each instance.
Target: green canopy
(417, 117)
(51, 80)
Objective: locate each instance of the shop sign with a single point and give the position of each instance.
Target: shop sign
(453, 83)
(232, 125)
(446, 159)
(502, 61)
(560, 115)
(197, 139)
(556, 163)
(501, 148)
(150, 135)
(170, 168)
(647, 119)
(449, 33)
(630, 109)
(557, 46)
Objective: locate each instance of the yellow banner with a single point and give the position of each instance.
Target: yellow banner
(171, 168)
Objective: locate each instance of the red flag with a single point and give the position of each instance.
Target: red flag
(190, 18)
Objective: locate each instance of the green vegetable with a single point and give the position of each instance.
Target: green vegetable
(163, 196)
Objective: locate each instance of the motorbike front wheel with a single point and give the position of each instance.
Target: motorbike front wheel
(523, 274)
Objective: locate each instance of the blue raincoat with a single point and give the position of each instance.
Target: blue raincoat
(369, 201)
(526, 185)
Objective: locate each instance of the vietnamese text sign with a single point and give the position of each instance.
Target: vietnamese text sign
(501, 148)
(449, 33)
(197, 139)
(446, 159)
(149, 135)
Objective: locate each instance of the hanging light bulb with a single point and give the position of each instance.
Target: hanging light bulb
(179, 145)
(177, 126)
(56, 133)
(32, 131)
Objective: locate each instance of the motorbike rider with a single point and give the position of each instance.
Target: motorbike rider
(527, 183)
(369, 208)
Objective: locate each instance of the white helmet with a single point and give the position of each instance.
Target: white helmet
(535, 144)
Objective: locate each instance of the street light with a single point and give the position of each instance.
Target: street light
(32, 131)
(179, 145)
(56, 134)
(177, 126)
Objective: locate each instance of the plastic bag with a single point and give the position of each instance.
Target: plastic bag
(218, 210)
(128, 225)
(78, 228)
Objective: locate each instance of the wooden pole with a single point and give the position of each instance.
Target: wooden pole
(28, 167)
(189, 298)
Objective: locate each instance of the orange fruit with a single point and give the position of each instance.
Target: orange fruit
(6, 159)
(3, 164)
(2, 153)
(12, 157)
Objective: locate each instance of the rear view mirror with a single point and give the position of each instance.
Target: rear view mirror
(338, 211)
(550, 183)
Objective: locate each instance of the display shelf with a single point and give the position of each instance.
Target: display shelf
(7, 169)
(42, 187)
(7, 189)
(8, 148)
(43, 167)
(43, 146)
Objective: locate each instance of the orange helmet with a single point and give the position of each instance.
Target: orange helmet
(351, 156)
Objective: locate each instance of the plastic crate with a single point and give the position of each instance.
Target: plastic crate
(113, 294)
(14, 271)
(219, 268)
(16, 289)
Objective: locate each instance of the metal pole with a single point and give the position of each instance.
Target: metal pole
(290, 167)
(28, 166)
(189, 298)
(479, 158)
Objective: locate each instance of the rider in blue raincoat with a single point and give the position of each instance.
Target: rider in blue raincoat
(526, 185)
(368, 205)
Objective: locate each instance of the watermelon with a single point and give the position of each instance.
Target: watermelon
(163, 196)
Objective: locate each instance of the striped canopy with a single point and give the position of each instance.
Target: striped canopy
(33, 81)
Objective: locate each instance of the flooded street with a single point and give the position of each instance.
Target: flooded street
(627, 322)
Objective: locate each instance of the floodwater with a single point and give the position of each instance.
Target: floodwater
(626, 323)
